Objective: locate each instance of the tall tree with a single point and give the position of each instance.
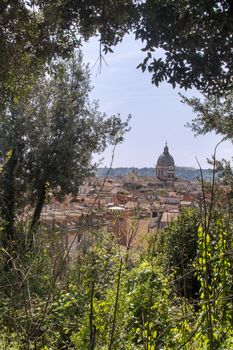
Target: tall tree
(47, 141)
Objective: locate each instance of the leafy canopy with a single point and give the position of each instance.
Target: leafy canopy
(195, 37)
(47, 141)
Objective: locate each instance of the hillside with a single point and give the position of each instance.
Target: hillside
(187, 173)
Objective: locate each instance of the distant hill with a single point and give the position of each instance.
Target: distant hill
(181, 172)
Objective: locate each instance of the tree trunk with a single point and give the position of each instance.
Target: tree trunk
(36, 215)
(8, 202)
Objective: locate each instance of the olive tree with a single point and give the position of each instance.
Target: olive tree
(46, 143)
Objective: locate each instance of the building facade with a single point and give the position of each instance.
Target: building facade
(165, 167)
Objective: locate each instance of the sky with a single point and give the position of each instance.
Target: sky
(157, 113)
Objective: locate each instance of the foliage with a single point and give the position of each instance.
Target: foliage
(214, 271)
(195, 38)
(179, 245)
(47, 143)
(212, 114)
(105, 297)
(216, 114)
(34, 33)
(107, 292)
(60, 314)
(151, 320)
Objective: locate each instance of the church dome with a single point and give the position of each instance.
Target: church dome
(165, 159)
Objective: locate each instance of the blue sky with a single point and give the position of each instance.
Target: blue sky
(157, 113)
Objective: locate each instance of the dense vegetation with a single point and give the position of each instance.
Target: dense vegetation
(176, 292)
(47, 140)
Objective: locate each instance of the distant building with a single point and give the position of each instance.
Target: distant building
(165, 168)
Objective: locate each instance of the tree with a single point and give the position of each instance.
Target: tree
(216, 114)
(33, 33)
(47, 143)
(180, 246)
(195, 36)
(212, 114)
